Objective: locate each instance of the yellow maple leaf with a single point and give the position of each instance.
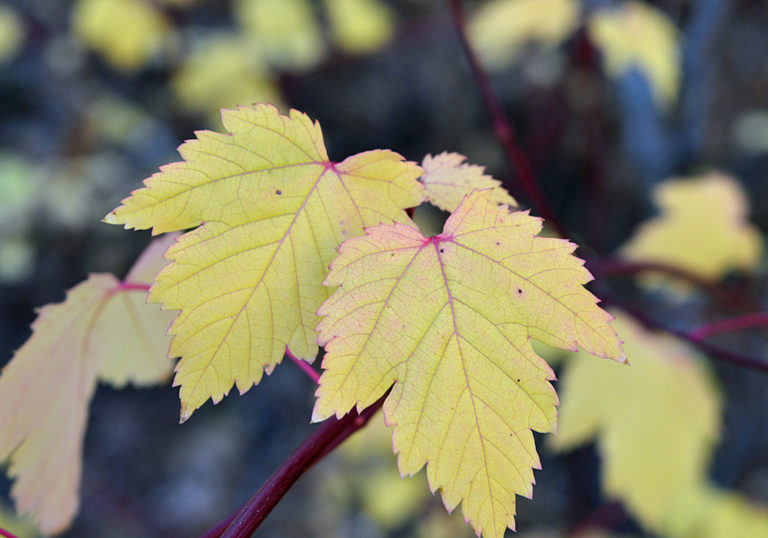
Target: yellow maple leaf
(500, 29)
(448, 320)
(447, 179)
(126, 32)
(655, 422)
(249, 281)
(703, 228)
(103, 330)
(637, 35)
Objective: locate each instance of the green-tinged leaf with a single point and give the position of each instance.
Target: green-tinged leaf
(703, 228)
(655, 422)
(447, 179)
(249, 281)
(448, 320)
(103, 330)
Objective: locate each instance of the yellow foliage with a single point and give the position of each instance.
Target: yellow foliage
(101, 331)
(11, 34)
(456, 313)
(223, 71)
(248, 282)
(637, 35)
(359, 26)
(501, 28)
(128, 33)
(447, 179)
(655, 421)
(703, 228)
(286, 31)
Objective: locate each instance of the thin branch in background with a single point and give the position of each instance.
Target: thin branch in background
(501, 125)
(607, 267)
(130, 286)
(713, 351)
(748, 321)
(615, 267)
(325, 438)
(305, 366)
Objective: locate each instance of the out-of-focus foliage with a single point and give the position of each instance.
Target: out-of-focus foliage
(128, 33)
(703, 228)
(285, 30)
(359, 26)
(655, 462)
(630, 35)
(650, 460)
(501, 28)
(11, 34)
(222, 71)
(635, 35)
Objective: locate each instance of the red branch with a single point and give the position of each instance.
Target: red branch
(130, 286)
(615, 267)
(714, 351)
(323, 440)
(501, 125)
(305, 367)
(748, 321)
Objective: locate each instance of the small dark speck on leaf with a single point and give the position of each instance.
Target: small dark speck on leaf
(519, 291)
(278, 192)
(518, 380)
(497, 243)
(442, 250)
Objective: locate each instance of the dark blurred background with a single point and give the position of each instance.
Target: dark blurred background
(96, 94)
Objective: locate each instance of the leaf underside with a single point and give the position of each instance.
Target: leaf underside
(270, 210)
(448, 320)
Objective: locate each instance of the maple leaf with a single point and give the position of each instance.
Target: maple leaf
(447, 179)
(703, 228)
(448, 320)
(637, 35)
(103, 330)
(655, 422)
(248, 282)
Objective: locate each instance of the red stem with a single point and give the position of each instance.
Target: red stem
(757, 319)
(325, 438)
(129, 286)
(305, 366)
(501, 125)
(6, 533)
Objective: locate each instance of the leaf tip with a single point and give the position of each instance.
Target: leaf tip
(110, 218)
